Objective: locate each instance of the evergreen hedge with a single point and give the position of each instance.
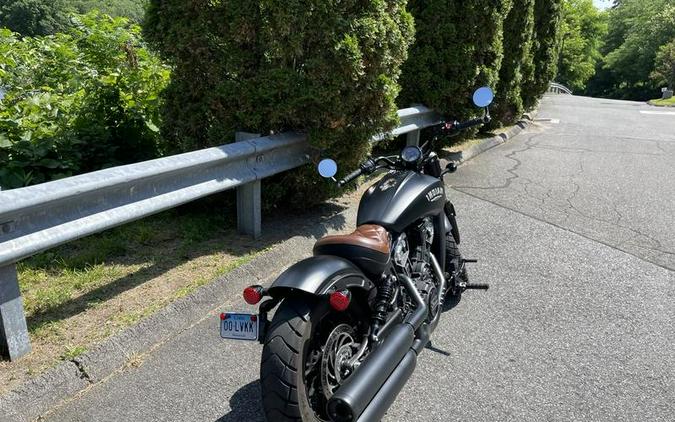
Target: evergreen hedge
(328, 68)
(545, 50)
(458, 48)
(518, 30)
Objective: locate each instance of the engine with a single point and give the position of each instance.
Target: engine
(412, 252)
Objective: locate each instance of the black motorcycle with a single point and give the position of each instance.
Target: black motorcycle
(352, 319)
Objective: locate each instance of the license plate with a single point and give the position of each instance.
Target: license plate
(239, 326)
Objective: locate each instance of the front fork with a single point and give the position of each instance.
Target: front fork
(455, 281)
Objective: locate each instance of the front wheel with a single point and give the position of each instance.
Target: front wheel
(456, 266)
(304, 359)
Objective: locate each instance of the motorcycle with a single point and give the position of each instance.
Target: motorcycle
(352, 319)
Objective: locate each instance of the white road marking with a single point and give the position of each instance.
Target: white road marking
(665, 113)
(548, 120)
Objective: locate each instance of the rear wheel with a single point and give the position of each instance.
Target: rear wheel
(303, 359)
(453, 263)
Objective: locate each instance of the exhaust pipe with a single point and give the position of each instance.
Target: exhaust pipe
(387, 394)
(389, 366)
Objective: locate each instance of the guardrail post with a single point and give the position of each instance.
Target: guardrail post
(249, 202)
(413, 138)
(14, 341)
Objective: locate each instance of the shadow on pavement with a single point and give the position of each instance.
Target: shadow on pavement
(245, 404)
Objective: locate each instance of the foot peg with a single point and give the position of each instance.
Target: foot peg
(477, 286)
(470, 261)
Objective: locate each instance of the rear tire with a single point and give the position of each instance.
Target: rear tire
(298, 329)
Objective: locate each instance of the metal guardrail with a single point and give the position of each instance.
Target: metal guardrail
(40, 217)
(556, 88)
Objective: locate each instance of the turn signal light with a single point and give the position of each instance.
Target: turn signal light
(253, 294)
(340, 300)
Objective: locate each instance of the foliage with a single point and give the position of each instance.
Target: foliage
(664, 71)
(583, 29)
(132, 9)
(518, 30)
(458, 48)
(34, 17)
(636, 30)
(77, 102)
(47, 17)
(328, 68)
(545, 50)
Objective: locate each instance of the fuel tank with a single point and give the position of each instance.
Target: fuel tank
(399, 199)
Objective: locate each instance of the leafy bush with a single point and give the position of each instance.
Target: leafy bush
(518, 29)
(545, 50)
(77, 102)
(458, 47)
(325, 67)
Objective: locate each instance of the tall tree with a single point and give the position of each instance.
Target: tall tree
(582, 31)
(328, 68)
(545, 50)
(458, 47)
(34, 17)
(664, 72)
(518, 30)
(636, 30)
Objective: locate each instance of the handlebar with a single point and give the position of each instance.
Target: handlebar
(470, 123)
(371, 165)
(351, 176)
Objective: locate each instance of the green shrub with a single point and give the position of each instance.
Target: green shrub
(518, 29)
(458, 48)
(327, 68)
(77, 102)
(545, 50)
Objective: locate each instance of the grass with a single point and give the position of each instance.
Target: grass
(81, 293)
(664, 103)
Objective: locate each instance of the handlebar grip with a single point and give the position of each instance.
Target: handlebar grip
(473, 122)
(351, 176)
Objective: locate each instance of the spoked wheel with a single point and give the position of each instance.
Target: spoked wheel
(304, 359)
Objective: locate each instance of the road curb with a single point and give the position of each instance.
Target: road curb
(489, 143)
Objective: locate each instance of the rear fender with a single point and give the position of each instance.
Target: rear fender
(319, 275)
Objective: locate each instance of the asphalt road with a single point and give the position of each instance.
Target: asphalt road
(572, 223)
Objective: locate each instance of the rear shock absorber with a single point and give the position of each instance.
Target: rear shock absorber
(385, 292)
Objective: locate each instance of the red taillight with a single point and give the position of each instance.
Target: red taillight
(340, 300)
(253, 294)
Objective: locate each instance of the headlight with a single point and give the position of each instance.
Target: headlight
(411, 154)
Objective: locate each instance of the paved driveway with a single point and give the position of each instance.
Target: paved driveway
(572, 222)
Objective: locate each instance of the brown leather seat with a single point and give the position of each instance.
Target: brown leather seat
(368, 247)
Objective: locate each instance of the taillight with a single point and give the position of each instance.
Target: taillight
(253, 294)
(340, 300)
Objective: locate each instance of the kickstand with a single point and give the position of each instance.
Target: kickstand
(434, 349)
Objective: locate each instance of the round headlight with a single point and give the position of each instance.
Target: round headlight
(411, 154)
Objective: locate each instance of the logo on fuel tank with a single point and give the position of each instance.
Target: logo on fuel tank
(435, 194)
